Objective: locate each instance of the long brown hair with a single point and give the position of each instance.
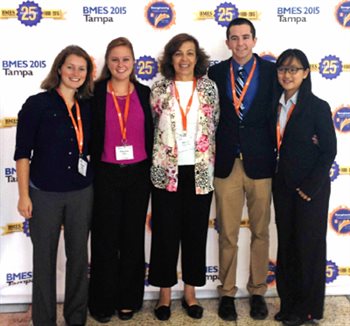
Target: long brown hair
(120, 41)
(53, 79)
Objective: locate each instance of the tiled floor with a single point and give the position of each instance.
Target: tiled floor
(337, 313)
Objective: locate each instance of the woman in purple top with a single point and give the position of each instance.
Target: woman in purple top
(121, 154)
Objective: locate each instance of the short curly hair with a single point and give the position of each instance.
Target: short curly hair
(166, 61)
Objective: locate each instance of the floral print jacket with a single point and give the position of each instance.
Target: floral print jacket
(164, 170)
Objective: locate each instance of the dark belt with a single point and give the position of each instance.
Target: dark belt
(131, 165)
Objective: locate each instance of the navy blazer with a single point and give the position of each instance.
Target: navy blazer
(98, 105)
(46, 136)
(303, 162)
(253, 134)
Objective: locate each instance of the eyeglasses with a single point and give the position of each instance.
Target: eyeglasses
(291, 70)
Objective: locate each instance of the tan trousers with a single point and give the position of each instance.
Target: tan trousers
(230, 194)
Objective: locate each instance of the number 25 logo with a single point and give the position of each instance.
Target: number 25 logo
(330, 67)
(29, 13)
(226, 14)
(145, 67)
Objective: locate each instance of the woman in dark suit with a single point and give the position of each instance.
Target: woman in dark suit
(306, 145)
(121, 154)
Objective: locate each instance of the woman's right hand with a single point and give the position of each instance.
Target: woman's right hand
(25, 206)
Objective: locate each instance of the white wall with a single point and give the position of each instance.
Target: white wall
(31, 40)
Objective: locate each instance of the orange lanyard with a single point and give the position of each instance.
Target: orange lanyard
(78, 127)
(238, 101)
(189, 104)
(280, 134)
(122, 120)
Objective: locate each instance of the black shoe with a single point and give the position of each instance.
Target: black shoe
(194, 311)
(125, 315)
(258, 308)
(294, 320)
(102, 318)
(280, 316)
(227, 309)
(162, 312)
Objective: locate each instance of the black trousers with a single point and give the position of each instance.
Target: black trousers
(179, 217)
(301, 257)
(117, 237)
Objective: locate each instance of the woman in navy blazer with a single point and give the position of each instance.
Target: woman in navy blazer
(55, 183)
(306, 147)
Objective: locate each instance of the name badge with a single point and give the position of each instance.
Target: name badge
(185, 143)
(124, 152)
(82, 166)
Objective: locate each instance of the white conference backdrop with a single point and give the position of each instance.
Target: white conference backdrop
(33, 32)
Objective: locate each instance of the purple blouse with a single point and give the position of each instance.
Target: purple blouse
(135, 130)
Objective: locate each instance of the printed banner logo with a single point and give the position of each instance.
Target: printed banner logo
(340, 220)
(334, 171)
(160, 14)
(10, 175)
(19, 278)
(16, 227)
(296, 15)
(146, 67)
(212, 273)
(30, 14)
(342, 13)
(337, 170)
(102, 14)
(341, 119)
(332, 271)
(22, 68)
(224, 13)
(8, 122)
(330, 67)
(271, 274)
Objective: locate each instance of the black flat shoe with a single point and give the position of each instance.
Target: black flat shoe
(280, 316)
(294, 320)
(162, 312)
(227, 309)
(258, 308)
(125, 315)
(102, 318)
(194, 311)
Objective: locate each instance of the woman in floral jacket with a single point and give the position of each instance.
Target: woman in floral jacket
(186, 109)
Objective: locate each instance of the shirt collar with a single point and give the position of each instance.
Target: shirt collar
(246, 66)
(292, 100)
